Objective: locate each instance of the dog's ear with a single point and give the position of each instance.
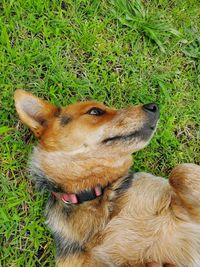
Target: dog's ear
(34, 112)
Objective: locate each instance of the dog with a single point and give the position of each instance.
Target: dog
(101, 213)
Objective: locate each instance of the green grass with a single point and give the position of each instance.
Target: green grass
(120, 52)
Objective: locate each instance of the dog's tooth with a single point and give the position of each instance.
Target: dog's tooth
(65, 198)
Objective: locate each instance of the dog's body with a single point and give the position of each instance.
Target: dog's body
(100, 213)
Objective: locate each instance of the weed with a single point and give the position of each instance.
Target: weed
(135, 15)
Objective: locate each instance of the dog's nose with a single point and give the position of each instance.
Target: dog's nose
(152, 107)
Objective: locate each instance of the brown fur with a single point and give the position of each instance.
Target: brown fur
(148, 220)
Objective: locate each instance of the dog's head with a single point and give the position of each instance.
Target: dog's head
(86, 139)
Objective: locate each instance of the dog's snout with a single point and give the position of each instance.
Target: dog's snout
(152, 107)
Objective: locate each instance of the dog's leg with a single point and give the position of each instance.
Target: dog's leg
(185, 180)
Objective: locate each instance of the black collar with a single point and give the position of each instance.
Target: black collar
(44, 182)
(81, 197)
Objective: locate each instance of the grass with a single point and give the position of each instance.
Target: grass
(119, 52)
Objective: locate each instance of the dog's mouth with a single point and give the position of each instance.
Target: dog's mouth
(116, 138)
(143, 134)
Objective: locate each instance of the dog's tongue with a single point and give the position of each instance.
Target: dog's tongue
(73, 198)
(98, 191)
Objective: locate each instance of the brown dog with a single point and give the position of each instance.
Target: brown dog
(100, 213)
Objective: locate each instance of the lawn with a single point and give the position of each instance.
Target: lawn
(118, 52)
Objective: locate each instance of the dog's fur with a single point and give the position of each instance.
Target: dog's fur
(140, 217)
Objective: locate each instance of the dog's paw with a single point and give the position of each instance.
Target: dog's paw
(185, 180)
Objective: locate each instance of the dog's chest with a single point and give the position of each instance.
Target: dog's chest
(149, 229)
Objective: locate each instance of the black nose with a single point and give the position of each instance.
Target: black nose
(152, 107)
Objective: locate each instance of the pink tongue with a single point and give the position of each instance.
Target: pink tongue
(97, 190)
(73, 198)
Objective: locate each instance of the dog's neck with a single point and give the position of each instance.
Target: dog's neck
(80, 172)
(76, 227)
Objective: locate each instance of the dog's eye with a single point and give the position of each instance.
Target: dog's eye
(95, 111)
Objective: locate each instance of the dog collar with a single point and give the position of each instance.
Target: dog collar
(81, 197)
